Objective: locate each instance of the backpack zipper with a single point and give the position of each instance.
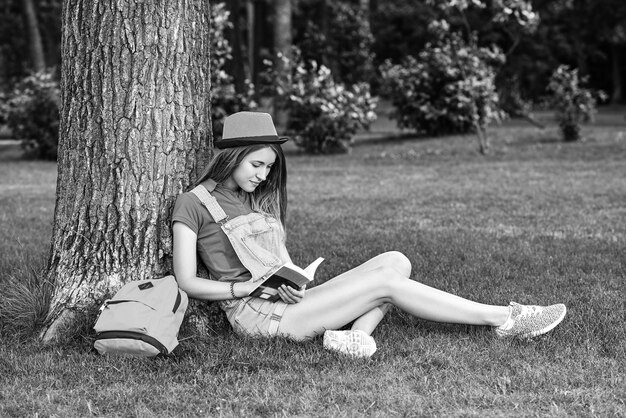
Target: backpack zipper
(106, 335)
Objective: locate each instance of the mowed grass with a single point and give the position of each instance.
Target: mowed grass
(537, 221)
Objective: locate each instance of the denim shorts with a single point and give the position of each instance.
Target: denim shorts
(254, 316)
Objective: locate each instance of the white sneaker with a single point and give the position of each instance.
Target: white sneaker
(355, 343)
(526, 321)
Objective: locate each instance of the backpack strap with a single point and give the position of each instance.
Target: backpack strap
(211, 204)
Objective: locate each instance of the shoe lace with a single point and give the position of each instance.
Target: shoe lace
(530, 311)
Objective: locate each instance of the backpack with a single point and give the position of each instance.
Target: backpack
(142, 319)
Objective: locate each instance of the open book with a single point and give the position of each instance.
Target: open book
(289, 274)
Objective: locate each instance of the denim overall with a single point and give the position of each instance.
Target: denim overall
(259, 242)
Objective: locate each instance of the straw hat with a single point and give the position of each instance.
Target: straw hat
(248, 128)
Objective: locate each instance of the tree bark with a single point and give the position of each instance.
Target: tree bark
(35, 45)
(134, 131)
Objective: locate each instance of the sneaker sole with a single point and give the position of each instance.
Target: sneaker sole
(541, 331)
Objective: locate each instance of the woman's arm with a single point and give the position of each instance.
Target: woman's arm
(185, 241)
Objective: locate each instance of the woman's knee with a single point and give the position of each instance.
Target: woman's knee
(383, 282)
(399, 262)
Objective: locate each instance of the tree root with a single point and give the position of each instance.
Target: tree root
(59, 328)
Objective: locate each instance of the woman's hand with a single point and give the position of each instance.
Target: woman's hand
(290, 295)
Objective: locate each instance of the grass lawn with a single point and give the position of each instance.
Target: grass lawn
(537, 221)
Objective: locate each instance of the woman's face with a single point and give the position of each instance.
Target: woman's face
(253, 170)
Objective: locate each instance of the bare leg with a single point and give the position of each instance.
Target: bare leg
(370, 320)
(356, 294)
(393, 259)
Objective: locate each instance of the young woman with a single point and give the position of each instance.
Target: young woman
(234, 221)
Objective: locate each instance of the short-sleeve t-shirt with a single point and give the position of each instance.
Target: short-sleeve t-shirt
(213, 246)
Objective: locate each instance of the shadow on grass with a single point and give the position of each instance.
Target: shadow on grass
(11, 150)
(391, 138)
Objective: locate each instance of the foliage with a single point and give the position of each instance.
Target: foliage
(575, 33)
(324, 115)
(224, 98)
(448, 88)
(535, 36)
(502, 11)
(574, 104)
(504, 23)
(338, 35)
(399, 28)
(32, 114)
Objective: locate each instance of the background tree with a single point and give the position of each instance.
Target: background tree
(609, 23)
(399, 28)
(135, 128)
(225, 96)
(35, 47)
(282, 46)
(586, 34)
(30, 33)
(234, 33)
(450, 86)
(336, 34)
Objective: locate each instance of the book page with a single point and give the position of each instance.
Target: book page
(289, 274)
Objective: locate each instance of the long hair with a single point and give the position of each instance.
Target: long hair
(271, 195)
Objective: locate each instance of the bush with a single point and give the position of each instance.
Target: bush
(573, 103)
(449, 88)
(32, 113)
(323, 115)
(224, 99)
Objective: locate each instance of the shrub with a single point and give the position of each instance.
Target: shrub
(573, 103)
(323, 115)
(226, 101)
(449, 88)
(224, 98)
(32, 112)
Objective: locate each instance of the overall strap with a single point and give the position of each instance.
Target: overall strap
(210, 203)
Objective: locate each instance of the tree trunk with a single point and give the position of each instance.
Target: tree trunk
(259, 41)
(251, 15)
(35, 45)
(616, 95)
(282, 44)
(134, 131)
(324, 25)
(237, 64)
